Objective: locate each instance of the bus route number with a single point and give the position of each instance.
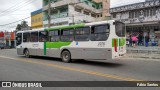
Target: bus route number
(101, 44)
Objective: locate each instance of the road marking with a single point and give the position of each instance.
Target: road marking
(75, 69)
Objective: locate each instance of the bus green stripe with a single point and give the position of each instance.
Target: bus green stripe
(120, 42)
(45, 49)
(66, 27)
(113, 42)
(57, 44)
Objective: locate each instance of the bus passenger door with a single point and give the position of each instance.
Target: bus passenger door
(34, 43)
(19, 44)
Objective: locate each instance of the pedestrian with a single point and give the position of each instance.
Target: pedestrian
(156, 41)
(127, 39)
(134, 40)
(140, 39)
(130, 41)
(146, 40)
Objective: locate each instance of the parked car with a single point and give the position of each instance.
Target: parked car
(2, 46)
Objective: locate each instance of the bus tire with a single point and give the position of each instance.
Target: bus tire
(66, 56)
(26, 53)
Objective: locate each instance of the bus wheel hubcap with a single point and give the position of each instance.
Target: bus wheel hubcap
(65, 56)
(27, 54)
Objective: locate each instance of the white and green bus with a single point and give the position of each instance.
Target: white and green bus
(103, 40)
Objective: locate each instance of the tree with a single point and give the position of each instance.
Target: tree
(23, 26)
(18, 28)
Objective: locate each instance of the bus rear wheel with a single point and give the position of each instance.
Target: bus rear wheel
(66, 56)
(26, 53)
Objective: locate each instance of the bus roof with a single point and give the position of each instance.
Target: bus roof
(78, 25)
(69, 26)
(66, 27)
(40, 29)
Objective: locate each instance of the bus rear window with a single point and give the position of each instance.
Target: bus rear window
(120, 29)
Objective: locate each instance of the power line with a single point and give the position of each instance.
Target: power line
(18, 7)
(9, 8)
(12, 7)
(16, 21)
(20, 10)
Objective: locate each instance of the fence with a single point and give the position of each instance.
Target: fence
(148, 53)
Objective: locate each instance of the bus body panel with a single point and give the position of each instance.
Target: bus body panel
(20, 51)
(54, 53)
(91, 53)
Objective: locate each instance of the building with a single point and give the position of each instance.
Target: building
(1, 37)
(105, 7)
(65, 12)
(9, 39)
(36, 19)
(140, 18)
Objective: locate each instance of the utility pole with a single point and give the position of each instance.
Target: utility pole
(49, 13)
(73, 22)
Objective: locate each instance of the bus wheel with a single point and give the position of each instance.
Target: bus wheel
(26, 53)
(66, 56)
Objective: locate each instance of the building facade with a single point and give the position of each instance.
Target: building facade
(140, 18)
(1, 37)
(36, 19)
(65, 12)
(9, 38)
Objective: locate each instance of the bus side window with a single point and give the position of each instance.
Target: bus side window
(54, 36)
(43, 36)
(100, 32)
(67, 35)
(26, 37)
(19, 39)
(82, 34)
(34, 37)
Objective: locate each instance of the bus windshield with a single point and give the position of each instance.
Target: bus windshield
(120, 29)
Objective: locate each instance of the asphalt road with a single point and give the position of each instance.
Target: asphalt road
(19, 68)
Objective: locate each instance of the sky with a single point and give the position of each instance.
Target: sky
(15, 10)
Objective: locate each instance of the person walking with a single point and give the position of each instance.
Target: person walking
(146, 40)
(130, 41)
(134, 40)
(140, 39)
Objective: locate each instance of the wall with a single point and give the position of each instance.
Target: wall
(37, 21)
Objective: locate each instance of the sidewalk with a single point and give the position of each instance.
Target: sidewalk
(142, 52)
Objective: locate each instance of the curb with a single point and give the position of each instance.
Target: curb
(142, 59)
